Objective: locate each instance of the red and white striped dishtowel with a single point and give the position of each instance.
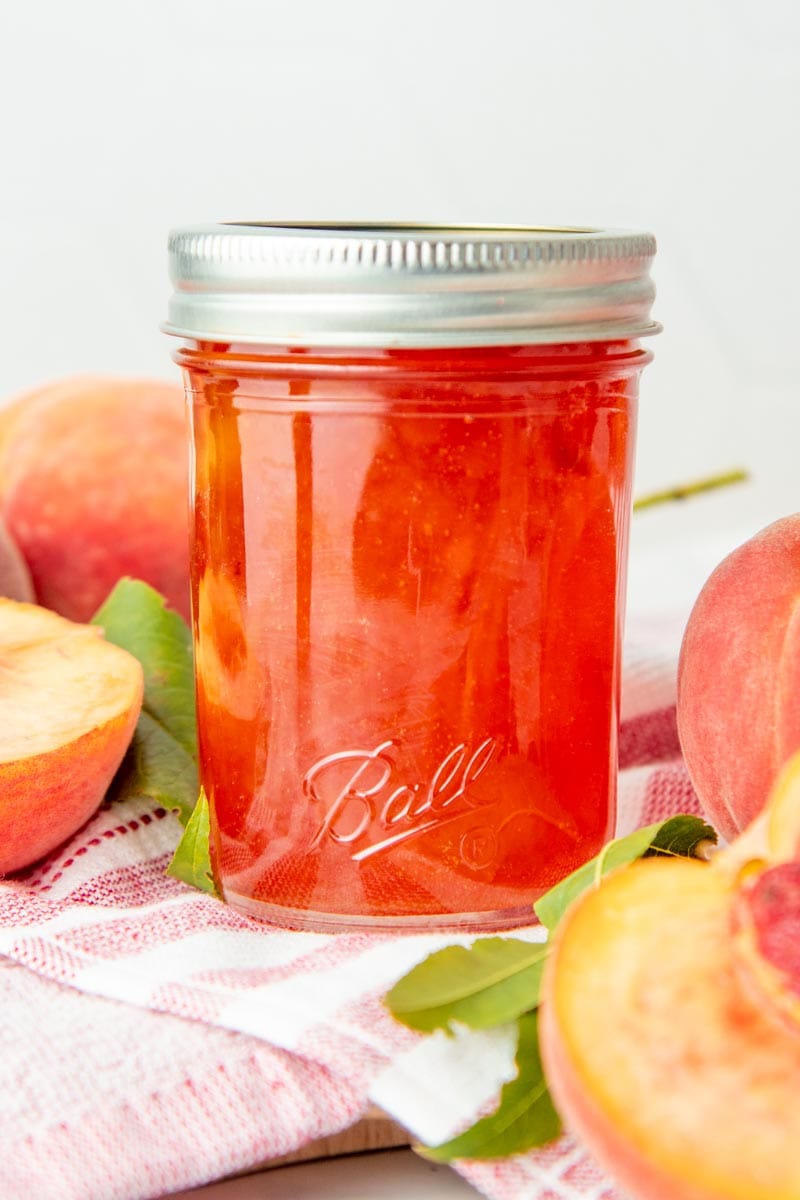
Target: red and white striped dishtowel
(153, 1040)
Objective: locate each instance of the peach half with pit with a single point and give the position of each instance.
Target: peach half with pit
(69, 702)
(739, 676)
(94, 487)
(670, 1020)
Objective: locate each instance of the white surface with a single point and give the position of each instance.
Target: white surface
(122, 121)
(385, 1175)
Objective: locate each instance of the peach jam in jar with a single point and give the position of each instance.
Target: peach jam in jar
(411, 460)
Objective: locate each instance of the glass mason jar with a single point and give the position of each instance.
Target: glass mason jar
(411, 461)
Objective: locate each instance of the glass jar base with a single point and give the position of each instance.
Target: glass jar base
(318, 922)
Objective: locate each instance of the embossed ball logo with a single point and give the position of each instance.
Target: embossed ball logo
(359, 796)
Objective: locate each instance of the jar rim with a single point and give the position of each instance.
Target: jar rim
(394, 285)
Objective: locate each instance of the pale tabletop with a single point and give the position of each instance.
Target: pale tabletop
(379, 1175)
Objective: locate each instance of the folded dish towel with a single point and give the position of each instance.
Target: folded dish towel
(153, 1039)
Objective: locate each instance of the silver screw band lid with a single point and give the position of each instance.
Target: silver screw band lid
(408, 285)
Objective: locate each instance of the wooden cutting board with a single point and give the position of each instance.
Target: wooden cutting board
(375, 1131)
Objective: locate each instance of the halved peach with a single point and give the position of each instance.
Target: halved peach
(669, 1030)
(69, 702)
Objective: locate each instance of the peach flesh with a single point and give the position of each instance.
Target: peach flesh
(739, 676)
(69, 702)
(94, 486)
(658, 1053)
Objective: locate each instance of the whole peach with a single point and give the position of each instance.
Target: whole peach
(93, 486)
(739, 676)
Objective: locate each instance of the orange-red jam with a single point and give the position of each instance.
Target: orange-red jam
(408, 574)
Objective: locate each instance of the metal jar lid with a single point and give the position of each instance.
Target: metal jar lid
(408, 285)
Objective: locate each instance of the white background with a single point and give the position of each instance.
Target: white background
(121, 120)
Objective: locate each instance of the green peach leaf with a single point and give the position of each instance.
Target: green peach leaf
(491, 982)
(191, 862)
(161, 762)
(524, 1118)
(679, 835)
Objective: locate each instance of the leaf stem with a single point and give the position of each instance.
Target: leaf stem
(686, 490)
